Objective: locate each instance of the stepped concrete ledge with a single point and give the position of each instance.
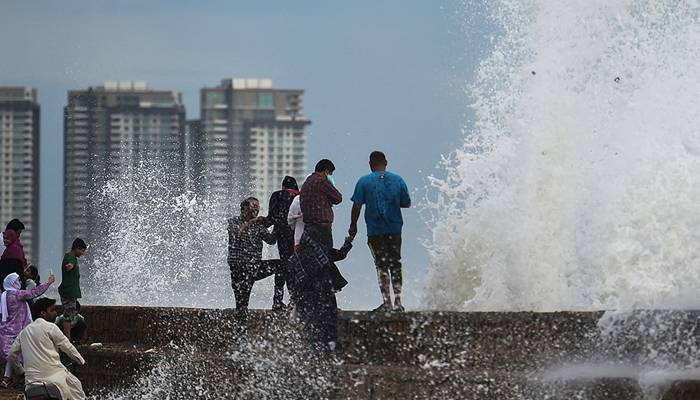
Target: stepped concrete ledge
(192, 353)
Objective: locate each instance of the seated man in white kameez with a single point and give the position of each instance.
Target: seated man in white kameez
(39, 344)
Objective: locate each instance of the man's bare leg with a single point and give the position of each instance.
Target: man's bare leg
(66, 328)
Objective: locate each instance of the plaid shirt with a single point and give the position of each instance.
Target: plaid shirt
(318, 196)
(245, 245)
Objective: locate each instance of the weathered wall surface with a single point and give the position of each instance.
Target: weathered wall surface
(410, 355)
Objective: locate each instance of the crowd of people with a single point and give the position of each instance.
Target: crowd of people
(31, 336)
(302, 222)
(299, 222)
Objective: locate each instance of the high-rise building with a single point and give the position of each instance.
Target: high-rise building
(107, 129)
(249, 137)
(19, 163)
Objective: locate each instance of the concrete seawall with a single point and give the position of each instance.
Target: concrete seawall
(414, 355)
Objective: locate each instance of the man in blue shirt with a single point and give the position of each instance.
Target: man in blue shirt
(384, 194)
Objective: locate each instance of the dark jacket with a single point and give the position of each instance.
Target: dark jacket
(311, 269)
(278, 209)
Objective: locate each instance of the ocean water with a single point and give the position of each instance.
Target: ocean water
(577, 186)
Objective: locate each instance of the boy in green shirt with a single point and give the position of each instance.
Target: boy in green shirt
(79, 327)
(69, 290)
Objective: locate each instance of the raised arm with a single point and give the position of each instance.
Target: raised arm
(265, 234)
(332, 194)
(36, 292)
(63, 344)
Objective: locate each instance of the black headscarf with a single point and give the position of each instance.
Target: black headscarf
(289, 183)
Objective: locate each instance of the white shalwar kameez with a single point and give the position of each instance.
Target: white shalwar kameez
(39, 344)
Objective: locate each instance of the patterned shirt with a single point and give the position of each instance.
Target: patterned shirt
(245, 241)
(311, 267)
(318, 196)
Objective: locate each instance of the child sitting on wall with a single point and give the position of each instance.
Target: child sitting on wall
(78, 332)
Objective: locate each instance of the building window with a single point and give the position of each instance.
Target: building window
(214, 97)
(266, 100)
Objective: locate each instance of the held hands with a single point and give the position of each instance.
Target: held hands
(52, 279)
(68, 266)
(352, 231)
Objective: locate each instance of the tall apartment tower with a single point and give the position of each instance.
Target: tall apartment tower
(249, 137)
(19, 163)
(107, 129)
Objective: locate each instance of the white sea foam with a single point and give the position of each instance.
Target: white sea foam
(578, 186)
(163, 244)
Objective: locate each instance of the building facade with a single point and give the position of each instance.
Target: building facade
(249, 137)
(108, 129)
(19, 163)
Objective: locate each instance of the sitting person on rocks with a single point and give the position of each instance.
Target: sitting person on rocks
(16, 315)
(78, 330)
(38, 344)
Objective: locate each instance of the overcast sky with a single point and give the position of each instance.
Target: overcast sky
(383, 75)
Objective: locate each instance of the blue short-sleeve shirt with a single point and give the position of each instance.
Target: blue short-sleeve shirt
(383, 194)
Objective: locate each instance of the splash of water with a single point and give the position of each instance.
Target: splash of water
(577, 186)
(163, 244)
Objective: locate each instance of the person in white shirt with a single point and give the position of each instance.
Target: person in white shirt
(296, 220)
(39, 344)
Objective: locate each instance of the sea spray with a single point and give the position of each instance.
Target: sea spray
(577, 186)
(164, 243)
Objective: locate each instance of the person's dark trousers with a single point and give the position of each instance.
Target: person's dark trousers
(77, 331)
(321, 234)
(386, 250)
(243, 276)
(285, 247)
(317, 311)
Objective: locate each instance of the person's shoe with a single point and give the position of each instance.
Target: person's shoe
(399, 308)
(382, 308)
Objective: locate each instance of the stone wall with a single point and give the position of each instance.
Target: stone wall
(397, 355)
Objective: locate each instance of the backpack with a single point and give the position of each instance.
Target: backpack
(42, 391)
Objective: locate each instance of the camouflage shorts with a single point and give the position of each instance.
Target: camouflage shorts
(69, 308)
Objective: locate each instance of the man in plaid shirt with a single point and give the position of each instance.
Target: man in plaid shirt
(246, 235)
(317, 198)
